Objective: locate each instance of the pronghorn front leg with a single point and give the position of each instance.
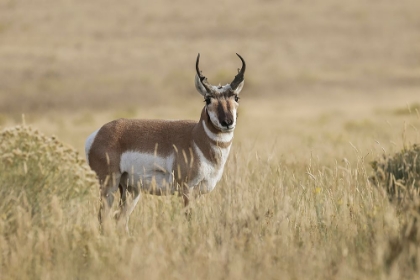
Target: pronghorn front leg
(185, 193)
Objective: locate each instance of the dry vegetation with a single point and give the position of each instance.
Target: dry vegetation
(330, 87)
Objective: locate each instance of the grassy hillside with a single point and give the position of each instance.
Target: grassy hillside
(329, 88)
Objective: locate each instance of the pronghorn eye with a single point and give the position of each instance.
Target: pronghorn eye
(207, 100)
(236, 98)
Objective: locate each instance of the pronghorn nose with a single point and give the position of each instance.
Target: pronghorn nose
(227, 122)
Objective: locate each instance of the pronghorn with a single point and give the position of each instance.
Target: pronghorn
(166, 156)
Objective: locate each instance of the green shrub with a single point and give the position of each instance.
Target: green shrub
(399, 174)
(38, 172)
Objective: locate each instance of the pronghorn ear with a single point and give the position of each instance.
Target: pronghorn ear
(239, 87)
(200, 87)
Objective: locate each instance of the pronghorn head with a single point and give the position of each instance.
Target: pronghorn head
(221, 101)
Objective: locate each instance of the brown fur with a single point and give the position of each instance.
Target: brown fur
(158, 137)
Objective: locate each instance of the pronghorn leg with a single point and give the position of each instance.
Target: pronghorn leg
(135, 193)
(123, 195)
(123, 187)
(186, 197)
(127, 206)
(108, 188)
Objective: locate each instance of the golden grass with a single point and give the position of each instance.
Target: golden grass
(266, 218)
(295, 200)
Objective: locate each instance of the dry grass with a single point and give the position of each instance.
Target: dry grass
(329, 88)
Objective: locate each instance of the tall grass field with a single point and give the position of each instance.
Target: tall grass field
(322, 178)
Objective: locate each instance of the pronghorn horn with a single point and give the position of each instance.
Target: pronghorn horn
(240, 77)
(203, 79)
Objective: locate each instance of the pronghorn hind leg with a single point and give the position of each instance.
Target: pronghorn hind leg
(108, 189)
(127, 204)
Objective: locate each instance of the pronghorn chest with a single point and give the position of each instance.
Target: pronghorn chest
(209, 171)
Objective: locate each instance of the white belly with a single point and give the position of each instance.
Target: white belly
(151, 173)
(154, 174)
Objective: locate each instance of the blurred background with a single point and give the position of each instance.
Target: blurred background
(62, 59)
